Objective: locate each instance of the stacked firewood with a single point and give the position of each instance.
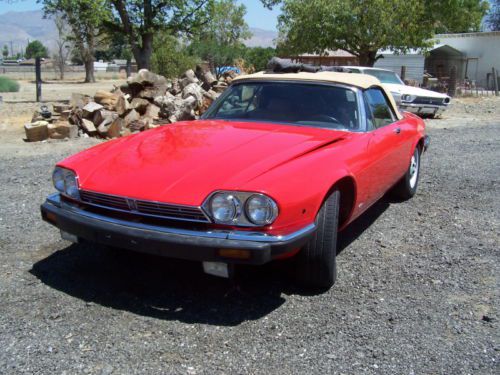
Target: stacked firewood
(145, 101)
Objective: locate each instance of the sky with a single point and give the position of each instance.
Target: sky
(257, 16)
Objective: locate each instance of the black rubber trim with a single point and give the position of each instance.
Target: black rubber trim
(171, 245)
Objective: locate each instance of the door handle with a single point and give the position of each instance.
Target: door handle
(397, 130)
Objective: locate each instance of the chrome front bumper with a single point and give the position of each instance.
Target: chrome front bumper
(423, 109)
(203, 245)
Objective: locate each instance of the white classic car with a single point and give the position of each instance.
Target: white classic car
(409, 98)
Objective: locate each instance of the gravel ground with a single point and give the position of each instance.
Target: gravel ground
(418, 287)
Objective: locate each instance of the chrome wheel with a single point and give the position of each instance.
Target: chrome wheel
(414, 168)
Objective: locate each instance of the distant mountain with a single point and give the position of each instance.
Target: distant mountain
(20, 27)
(261, 38)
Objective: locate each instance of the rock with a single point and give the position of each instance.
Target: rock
(220, 87)
(146, 78)
(65, 115)
(37, 131)
(193, 90)
(79, 100)
(137, 125)
(90, 108)
(187, 78)
(179, 109)
(122, 105)
(152, 112)
(62, 129)
(60, 108)
(89, 127)
(112, 130)
(106, 99)
(139, 104)
(103, 116)
(132, 116)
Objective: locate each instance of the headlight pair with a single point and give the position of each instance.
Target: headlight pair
(407, 98)
(66, 182)
(241, 208)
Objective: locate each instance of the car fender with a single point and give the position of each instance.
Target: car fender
(300, 197)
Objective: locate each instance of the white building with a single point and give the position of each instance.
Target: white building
(474, 55)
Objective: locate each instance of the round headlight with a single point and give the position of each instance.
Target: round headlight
(71, 186)
(58, 179)
(261, 210)
(224, 207)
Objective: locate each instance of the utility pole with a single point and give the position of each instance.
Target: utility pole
(11, 49)
(38, 75)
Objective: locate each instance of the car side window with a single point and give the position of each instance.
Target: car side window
(239, 101)
(379, 112)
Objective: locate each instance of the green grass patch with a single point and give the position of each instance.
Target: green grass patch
(8, 85)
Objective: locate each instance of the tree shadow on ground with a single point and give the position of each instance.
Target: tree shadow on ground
(172, 289)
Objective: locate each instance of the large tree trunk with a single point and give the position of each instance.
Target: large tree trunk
(89, 69)
(367, 58)
(143, 53)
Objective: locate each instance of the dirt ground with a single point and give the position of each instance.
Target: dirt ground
(417, 290)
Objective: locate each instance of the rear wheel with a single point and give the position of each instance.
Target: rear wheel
(316, 264)
(407, 186)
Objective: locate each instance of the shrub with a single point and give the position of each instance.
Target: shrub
(170, 58)
(8, 85)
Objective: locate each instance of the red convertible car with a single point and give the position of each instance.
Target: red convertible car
(274, 169)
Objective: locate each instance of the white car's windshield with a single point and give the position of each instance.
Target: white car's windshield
(316, 105)
(384, 76)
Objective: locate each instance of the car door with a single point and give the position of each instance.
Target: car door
(386, 146)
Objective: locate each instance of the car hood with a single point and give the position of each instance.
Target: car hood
(411, 90)
(184, 162)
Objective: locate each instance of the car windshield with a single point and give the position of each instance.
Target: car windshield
(384, 76)
(305, 104)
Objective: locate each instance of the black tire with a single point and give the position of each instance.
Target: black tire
(315, 264)
(407, 187)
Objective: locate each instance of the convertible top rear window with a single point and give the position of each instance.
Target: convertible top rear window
(316, 105)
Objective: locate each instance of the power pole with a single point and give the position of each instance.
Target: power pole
(11, 49)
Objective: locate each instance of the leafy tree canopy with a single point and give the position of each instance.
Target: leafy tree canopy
(362, 27)
(36, 49)
(219, 40)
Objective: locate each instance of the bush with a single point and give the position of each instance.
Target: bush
(8, 85)
(170, 59)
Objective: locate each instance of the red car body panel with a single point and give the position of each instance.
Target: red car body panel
(185, 162)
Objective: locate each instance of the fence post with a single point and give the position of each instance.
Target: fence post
(452, 84)
(403, 73)
(495, 80)
(38, 75)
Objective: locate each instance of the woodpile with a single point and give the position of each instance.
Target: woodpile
(145, 101)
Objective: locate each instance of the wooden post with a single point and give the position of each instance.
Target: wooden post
(452, 84)
(129, 68)
(38, 76)
(403, 73)
(495, 80)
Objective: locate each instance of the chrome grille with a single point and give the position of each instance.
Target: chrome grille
(427, 100)
(142, 207)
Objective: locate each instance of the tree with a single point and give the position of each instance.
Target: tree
(84, 18)
(258, 57)
(220, 39)
(63, 46)
(493, 20)
(140, 20)
(170, 58)
(363, 27)
(5, 51)
(36, 49)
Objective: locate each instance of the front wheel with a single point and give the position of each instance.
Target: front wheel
(316, 264)
(407, 186)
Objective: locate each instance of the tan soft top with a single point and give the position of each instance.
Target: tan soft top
(363, 81)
